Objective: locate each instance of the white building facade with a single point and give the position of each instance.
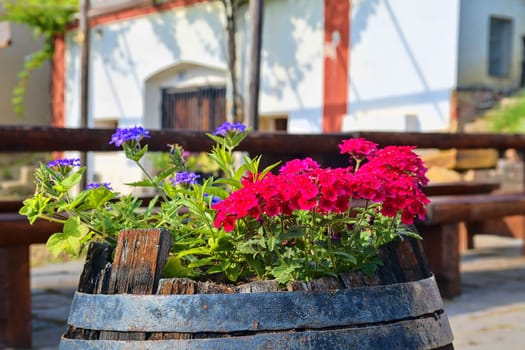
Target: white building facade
(326, 65)
(405, 61)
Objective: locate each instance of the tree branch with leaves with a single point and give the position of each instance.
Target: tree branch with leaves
(48, 19)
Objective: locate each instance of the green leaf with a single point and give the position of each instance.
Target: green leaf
(96, 198)
(255, 264)
(240, 172)
(290, 234)
(232, 272)
(68, 206)
(175, 268)
(142, 183)
(284, 273)
(346, 256)
(227, 181)
(70, 240)
(216, 191)
(164, 174)
(193, 251)
(70, 181)
(217, 139)
(214, 269)
(201, 262)
(269, 168)
(34, 207)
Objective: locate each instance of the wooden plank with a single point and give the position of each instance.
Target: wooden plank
(450, 209)
(139, 259)
(441, 245)
(10, 206)
(94, 279)
(16, 230)
(459, 188)
(44, 139)
(15, 293)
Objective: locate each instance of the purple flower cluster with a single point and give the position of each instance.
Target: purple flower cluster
(229, 127)
(136, 133)
(93, 186)
(64, 162)
(185, 177)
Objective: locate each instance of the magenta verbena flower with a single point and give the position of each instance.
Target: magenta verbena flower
(358, 148)
(185, 177)
(121, 136)
(227, 127)
(93, 186)
(64, 162)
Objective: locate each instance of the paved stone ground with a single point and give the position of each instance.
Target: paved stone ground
(52, 288)
(490, 314)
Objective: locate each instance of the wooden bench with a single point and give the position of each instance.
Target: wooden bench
(16, 235)
(441, 229)
(459, 188)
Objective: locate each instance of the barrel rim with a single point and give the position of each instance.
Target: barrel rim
(264, 311)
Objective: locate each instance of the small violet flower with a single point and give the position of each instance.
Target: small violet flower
(214, 199)
(64, 162)
(229, 127)
(93, 186)
(136, 133)
(185, 177)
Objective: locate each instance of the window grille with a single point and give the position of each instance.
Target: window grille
(202, 108)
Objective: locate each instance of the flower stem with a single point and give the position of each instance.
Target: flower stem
(153, 182)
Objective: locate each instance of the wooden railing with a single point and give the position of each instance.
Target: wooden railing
(41, 138)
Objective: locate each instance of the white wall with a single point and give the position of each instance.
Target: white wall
(291, 62)
(125, 54)
(402, 63)
(37, 101)
(474, 42)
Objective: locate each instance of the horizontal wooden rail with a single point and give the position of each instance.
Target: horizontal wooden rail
(474, 207)
(45, 139)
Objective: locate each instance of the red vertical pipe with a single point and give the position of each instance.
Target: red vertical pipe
(58, 76)
(336, 63)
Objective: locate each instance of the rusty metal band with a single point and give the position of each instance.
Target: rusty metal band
(425, 333)
(254, 311)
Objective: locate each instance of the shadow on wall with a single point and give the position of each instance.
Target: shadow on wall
(286, 38)
(360, 21)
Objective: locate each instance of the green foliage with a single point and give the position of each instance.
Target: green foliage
(197, 162)
(509, 118)
(299, 245)
(47, 18)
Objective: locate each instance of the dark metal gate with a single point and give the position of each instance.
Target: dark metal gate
(202, 108)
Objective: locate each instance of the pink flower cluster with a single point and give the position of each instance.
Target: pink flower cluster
(392, 176)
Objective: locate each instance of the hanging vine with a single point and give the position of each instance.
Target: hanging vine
(48, 19)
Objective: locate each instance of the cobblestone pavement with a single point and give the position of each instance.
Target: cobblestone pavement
(490, 313)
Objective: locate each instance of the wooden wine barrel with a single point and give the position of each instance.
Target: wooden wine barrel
(115, 306)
